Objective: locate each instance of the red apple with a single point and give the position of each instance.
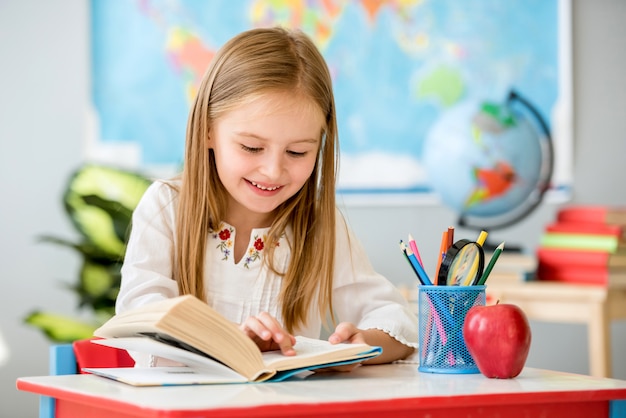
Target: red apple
(498, 338)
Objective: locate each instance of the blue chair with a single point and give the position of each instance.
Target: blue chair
(71, 358)
(62, 361)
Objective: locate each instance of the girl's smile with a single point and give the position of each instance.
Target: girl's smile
(265, 188)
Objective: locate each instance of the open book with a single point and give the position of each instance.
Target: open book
(211, 348)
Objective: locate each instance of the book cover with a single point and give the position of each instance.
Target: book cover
(582, 258)
(592, 228)
(592, 213)
(582, 275)
(595, 242)
(190, 332)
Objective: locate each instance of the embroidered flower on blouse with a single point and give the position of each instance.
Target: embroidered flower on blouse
(254, 252)
(226, 244)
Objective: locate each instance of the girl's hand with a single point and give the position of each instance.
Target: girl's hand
(268, 334)
(345, 332)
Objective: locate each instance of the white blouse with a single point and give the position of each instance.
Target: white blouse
(240, 290)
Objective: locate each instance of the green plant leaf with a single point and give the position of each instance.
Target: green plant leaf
(60, 328)
(99, 285)
(120, 215)
(100, 201)
(95, 279)
(87, 249)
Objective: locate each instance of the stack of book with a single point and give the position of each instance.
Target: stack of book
(586, 245)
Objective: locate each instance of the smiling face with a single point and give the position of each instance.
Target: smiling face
(265, 151)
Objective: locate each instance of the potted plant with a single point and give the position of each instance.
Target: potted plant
(99, 200)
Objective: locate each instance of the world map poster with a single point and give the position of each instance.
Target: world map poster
(398, 67)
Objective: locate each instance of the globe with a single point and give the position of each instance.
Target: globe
(491, 162)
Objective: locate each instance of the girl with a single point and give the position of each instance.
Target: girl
(251, 225)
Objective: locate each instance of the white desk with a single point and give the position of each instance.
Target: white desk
(369, 391)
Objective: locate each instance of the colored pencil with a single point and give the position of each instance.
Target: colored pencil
(482, 237)
(492, 262)
(413, 246)
(421, 273)
(442, 254)
(403, 249)
(450, 237)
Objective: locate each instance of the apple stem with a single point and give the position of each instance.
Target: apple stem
(497, 301)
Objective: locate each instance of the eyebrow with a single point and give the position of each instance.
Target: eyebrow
(255, 136)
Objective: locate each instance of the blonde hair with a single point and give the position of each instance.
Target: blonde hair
(252, 63)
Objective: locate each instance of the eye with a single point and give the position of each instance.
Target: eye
(251, 150)
(297, 154)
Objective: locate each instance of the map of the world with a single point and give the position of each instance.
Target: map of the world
(397, 66)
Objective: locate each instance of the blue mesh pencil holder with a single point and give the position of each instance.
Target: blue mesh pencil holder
(442, 311)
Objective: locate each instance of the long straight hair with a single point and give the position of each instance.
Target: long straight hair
(254, 63)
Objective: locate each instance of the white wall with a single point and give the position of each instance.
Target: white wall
(43, 93)
(43, 96)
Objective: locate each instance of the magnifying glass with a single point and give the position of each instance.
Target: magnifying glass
(462, 265)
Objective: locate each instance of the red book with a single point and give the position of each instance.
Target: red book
(592, 228)
(557, 257)
(591, 213)
(602, 276)
(89, 354)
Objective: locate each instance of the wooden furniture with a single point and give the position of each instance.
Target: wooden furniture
(595, 306)
(397, 390)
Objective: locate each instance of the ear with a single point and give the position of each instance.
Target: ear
(208, 142)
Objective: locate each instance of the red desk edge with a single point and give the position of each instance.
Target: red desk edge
(368, 407)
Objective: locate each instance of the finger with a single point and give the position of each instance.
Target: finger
(344, 332)
(273, 326)
(285, 340)
(254, 328)
(282, 338)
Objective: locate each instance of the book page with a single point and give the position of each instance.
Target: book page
(167, 376)
(204, 364)
(311, 351)
(192, 322)
(148, 345)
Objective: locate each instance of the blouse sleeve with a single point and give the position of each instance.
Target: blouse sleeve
(366, 298)
(147, 269)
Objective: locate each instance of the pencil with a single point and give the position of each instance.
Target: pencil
(442, 253)
(492, 262)
(450, 237)
(421, 273)
(482, 237)
(413, 246)
(405, 249)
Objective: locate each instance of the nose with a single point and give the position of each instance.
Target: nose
(272, 165)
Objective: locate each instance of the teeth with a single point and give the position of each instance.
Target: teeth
(258, 186)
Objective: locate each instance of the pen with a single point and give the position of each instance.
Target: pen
(492, 263)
